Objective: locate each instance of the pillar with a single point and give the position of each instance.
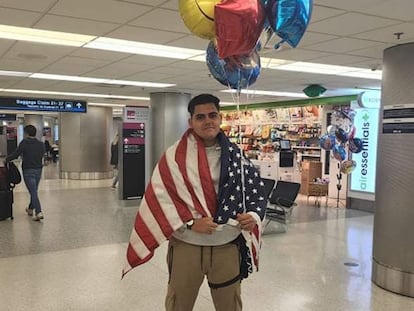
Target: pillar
(84, 144)
(393, 246)
(169, 120)
(37, 121)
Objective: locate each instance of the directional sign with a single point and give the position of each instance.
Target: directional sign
(39, 104)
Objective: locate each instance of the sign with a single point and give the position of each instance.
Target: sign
(398, 119)
(363, 177)
(136, 114)
(38, 104)
(369, 99)
(7, 117)
(133, 165)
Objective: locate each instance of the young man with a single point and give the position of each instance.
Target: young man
(209, 202)
(32, 151)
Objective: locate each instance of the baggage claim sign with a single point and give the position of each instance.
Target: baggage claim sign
(366, 123)
(39, 104)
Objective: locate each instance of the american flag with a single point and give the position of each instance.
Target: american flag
(181, 188)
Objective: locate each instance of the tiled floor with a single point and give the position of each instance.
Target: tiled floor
(73, 259)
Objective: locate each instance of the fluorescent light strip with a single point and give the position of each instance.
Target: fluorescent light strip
(142, 48)
(74, 94)
(106, 105)
(98, 80)
(43, 36)
(14, 73)
(267, 93)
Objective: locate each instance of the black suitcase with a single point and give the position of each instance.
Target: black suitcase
(6, 195)
(6, 204)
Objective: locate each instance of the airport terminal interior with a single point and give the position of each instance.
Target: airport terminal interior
(319, 87)
(72, 260)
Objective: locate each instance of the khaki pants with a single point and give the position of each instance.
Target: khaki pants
(188, 264)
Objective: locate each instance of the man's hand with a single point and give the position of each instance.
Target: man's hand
(204, 225)
(246, 221)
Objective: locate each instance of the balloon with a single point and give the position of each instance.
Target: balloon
(327, 141)
(239, 24)
(331, 129)
(349, 114)
(339, 152)
(356, 145)
(350, 135)
(290, 18)
(348, 166)
(198, 16)
(341, 135)
(237, 72)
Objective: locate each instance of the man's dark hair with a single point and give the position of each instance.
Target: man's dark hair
(30, 130)
(202, 99)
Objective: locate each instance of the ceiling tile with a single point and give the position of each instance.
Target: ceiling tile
(320, 13)
(341, 59)
(295, 54)
(387, 34)
(143, 34)
(74, 25)
(36, 6)
(350, 23)
(374, 51)
(313, 38)
(190, 42)
(44, 53)
(342, 45)
(18, 17)
(351, 5)
(162, 19)
(146, 2)
(399, 9)
(71, 65)
(109, 10)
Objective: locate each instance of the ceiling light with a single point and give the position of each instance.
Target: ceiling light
(366, 74)
(133, 47)
(106, 105)
(267, 93)
(43, 36)
(74, 94)
(97, 80)
(14, 73)
(330, 70)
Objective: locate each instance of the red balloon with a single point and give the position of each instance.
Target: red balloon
(239, 24)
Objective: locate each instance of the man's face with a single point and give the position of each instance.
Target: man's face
(206, 122)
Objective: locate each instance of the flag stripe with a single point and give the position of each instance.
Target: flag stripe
(170, 186)
(181, 159)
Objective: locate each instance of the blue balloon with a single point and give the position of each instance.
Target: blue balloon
(341, 134)
(339, 152)
(289, 19)
(356, 145)
(327, 142)
(236, 72)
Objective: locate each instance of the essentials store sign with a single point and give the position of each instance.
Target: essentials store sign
(37, 104)
(366, 123)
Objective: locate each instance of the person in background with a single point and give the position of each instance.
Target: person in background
(55, 151)
(208, 201)
(114, 160)
(48, 150)
(32, 151)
